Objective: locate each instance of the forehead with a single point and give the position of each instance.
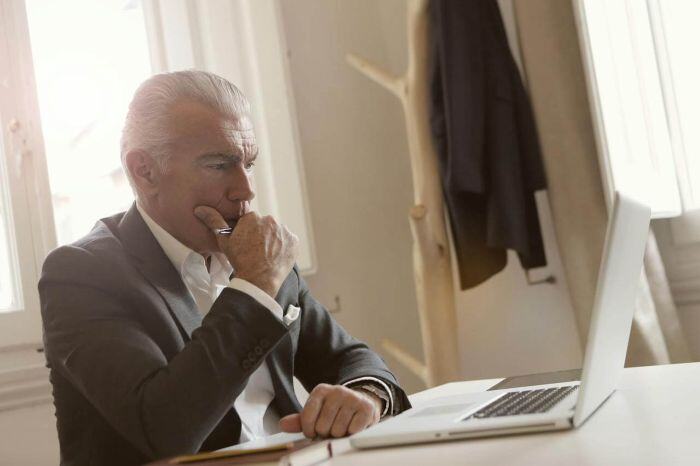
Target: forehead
(197, 127)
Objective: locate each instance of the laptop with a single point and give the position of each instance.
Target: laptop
(552, 406)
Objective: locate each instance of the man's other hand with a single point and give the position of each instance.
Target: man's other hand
(260, 250)
(334, 411)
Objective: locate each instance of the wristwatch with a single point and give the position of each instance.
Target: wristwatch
(377, 391)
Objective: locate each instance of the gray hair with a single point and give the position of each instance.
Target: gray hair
(146, 122)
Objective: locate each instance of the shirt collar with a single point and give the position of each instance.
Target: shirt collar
(179, 254)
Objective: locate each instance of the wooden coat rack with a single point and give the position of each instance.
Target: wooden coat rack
(431, 250)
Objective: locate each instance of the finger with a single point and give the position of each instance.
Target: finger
(210, 217)
(331, 406)
(311, 411)
(291, 423)
(342, 421)
(360, 420)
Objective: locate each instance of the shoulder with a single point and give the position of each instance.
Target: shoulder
(95, 254)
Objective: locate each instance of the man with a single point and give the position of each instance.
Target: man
(154, 349)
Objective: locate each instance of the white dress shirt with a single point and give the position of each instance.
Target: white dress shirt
(258, 417)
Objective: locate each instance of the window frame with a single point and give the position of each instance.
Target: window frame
(25, 166)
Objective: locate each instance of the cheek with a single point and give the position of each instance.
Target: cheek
(200, 193)
(186, 191)
(211, 194)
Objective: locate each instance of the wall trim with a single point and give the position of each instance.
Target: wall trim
(24, 378)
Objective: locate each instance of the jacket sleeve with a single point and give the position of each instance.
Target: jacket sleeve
(329, 354)
(93, 337)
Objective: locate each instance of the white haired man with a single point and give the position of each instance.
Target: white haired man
(178, 325)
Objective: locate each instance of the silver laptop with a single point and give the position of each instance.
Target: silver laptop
(552, 406)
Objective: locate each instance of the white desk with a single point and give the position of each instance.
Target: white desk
(652, 419)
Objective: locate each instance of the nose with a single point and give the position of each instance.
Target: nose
(241, 185)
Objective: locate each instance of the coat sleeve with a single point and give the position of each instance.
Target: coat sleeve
(329, 354)
(164, 407)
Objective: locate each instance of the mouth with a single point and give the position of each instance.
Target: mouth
(232, 221)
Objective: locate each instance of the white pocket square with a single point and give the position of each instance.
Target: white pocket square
(292, 314)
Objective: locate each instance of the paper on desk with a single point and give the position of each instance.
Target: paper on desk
(282, 438)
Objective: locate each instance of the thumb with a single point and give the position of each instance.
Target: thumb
(291, 423)
(210, 217)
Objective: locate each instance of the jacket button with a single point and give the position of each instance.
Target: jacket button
(258, 350)
(246, 364)
(264, 342)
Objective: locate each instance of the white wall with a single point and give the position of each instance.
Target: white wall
(28, 436)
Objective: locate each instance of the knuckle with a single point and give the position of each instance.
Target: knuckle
(321, 389)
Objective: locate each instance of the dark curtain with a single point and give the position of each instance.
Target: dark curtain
(486, 140)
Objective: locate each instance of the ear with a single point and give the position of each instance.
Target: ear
(144, 171)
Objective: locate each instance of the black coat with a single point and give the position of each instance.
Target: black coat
(485, 138)
(138, 374)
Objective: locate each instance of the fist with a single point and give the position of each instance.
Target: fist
(261, 250)
(334, 411)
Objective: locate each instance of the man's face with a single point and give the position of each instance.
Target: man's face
(210, 163)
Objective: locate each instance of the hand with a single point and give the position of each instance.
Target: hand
(260, 250)
(334, 410)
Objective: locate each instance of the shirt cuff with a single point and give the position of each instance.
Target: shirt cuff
(389, 408)
(257, 294)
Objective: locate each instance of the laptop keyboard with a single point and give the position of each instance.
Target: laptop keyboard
(525, 402)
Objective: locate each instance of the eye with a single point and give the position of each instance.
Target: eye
(218, 166)
(249, 166)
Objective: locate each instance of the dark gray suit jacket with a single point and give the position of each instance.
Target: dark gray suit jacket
(486, 140)
(138, 374)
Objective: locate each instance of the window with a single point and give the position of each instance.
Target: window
(627, 99)
(84, 88)
(26, 228)
(678, 34)
(643, 78)
(676, 31)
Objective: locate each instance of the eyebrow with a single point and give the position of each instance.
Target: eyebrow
(227, 157)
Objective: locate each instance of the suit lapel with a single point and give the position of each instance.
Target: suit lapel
(155, 266)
